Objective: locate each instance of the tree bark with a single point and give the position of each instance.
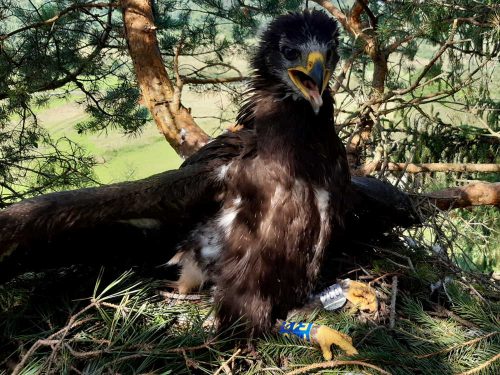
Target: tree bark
(354, 25)
(173, 120)
(377, 165)
(476, 194)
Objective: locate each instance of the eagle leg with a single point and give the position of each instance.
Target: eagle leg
(245, 313)
(191, 275)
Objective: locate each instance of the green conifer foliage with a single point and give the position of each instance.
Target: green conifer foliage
(439, 103)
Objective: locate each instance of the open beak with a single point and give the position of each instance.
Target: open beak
(311, 79)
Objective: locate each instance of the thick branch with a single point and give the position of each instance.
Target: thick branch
(336, 12)
(174, 121)
(368, 11)
(429, 167)
(476, 194)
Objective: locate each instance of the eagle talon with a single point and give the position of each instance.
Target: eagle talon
(361, 295)
(325, 337)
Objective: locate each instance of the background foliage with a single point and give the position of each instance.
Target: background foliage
(438, 103)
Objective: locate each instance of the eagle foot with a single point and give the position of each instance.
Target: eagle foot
(320, 335)
(361, 295)
(325, 337)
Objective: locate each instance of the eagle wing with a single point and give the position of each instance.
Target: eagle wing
(128, 222)
(140, 222)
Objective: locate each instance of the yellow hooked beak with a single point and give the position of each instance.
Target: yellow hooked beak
(311, 79)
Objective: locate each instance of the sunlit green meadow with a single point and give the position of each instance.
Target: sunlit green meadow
(128, 157)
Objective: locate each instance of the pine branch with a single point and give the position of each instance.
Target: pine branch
(466, 343)
(52, 20)
(482, 365)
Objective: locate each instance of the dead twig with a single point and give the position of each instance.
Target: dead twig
(408, 260)
(445, 313)
(178, 296)
(331, 364)
(54, 339)
(368, 334)
(223, 365)
(392, 316)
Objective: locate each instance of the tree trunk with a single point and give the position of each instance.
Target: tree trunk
(173, 120)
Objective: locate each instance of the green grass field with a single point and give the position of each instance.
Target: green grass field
(128, 157)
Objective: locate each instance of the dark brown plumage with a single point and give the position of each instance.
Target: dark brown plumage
(283, 190)
(252, 211)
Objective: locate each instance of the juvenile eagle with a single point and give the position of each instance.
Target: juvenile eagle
(252, 211)
(283, 189)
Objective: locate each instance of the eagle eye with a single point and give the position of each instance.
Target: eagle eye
(290, 53)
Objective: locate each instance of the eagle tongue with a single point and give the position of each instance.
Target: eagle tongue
(314, 95)
(315, 99)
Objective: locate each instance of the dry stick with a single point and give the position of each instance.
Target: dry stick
(426, 69)
(384, 276)
(196, 72)
(339, 80)
(227, 362)
(392, 316)
(482, 365)
(430, 97)
(178, 296)
(57, 345)
(205, 81)
(472, 289)
(97, 353)
(72, 323)
(372, 102)
(368, 334)
(408, 259)
(335, 363)
(443, 312)
(84, 355)
(475, 194)
(412, 168)
(113, 306)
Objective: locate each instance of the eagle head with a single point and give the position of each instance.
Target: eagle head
(297, 54)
